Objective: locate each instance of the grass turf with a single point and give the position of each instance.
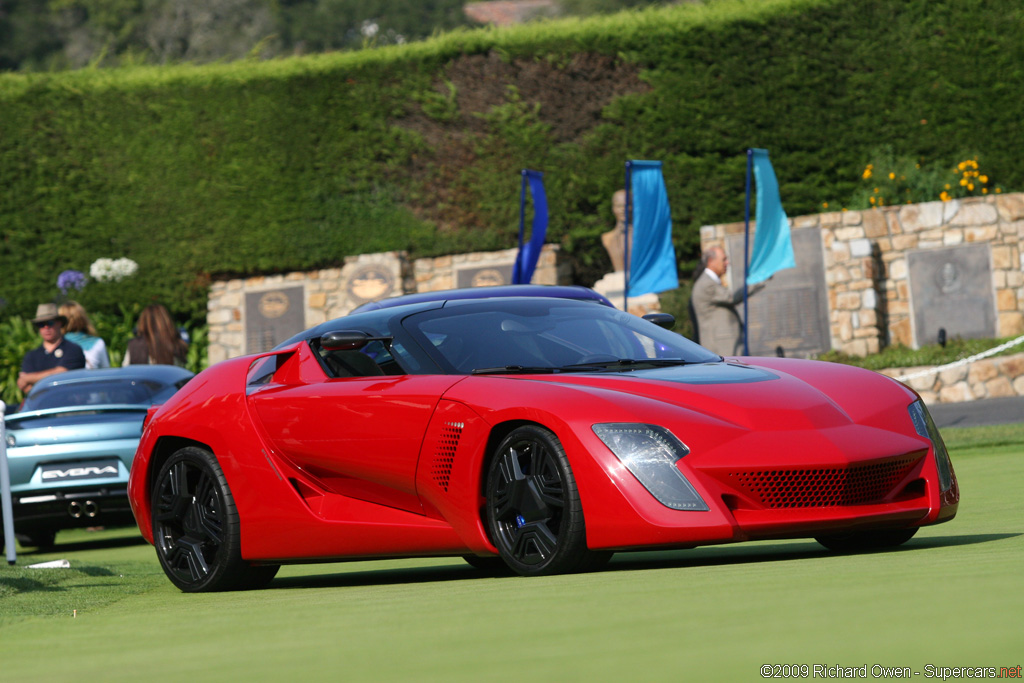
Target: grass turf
(952, 596)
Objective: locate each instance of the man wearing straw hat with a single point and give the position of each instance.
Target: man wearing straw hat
(55, 354)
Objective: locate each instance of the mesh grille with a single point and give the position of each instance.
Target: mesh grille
(854, 485)
(444, 456)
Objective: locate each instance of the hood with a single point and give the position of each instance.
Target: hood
(740, 394)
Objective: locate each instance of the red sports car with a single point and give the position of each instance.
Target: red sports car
(541, 434)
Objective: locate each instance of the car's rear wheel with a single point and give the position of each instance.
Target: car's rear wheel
(41, 539)
(860, 541)
(534, 513)
(196, 528)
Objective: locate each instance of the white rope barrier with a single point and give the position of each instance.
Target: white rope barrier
(963, 361)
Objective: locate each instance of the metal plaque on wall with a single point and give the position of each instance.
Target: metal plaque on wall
(792, 310)
(485, 276)
(273, 316)
(951, 289)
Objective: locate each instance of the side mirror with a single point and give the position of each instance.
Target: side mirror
(664, 320)
(344, 340)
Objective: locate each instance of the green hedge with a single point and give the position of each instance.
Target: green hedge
(292, 164)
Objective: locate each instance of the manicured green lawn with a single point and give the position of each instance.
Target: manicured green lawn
(952, 596)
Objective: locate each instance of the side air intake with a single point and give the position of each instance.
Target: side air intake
(444, 456)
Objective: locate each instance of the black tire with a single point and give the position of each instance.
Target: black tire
(534, 514)
(196, 528)
(861, 541)
(42, 539)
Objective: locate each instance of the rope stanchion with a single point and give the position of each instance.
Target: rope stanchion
(963, 361)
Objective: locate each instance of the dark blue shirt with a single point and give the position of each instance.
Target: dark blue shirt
(67, 354)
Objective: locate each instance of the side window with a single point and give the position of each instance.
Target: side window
(372, 360)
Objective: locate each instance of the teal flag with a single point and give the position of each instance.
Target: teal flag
(773, 248)
(652, 258)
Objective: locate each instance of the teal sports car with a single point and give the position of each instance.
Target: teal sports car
(70, 447)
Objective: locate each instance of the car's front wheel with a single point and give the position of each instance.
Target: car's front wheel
(860, 541)
(534, 513)
(196, 528)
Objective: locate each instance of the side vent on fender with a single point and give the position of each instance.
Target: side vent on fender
(444, 457)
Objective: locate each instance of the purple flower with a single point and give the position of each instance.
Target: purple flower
(71, 279)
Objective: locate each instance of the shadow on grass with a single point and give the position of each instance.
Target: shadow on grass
(706, 556)
(122, 540)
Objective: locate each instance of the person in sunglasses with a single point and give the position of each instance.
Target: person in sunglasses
(55, 354)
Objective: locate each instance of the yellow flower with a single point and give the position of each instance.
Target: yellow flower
(945, 196)
(970, 187)
(984, 190)
(892, 176)
(872, 200)
(983, 178)
(876, 190)
(947, 186)
(999, 190)
(824, 205)
(867, 173)
(963, 182)
(962, 165)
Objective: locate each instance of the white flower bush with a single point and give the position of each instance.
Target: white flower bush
(112, 270)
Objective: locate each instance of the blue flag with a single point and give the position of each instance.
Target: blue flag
(652, 258)
(773, 248)
(526, 259)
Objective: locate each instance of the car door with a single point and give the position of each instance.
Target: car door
(358, 436)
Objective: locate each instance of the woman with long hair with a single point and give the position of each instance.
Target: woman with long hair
(157, 340)
(81, 331)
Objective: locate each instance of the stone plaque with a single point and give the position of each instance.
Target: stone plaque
(951, 288)
(271, 316)
(485, 276)
(792, 310)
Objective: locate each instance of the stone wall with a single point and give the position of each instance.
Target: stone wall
(866, 269)
(235, 307)
(987, 378)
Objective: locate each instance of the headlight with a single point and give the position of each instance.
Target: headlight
(650, 453)
(924, 426)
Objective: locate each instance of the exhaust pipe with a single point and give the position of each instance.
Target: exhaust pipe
(91, 509)
(75, 509)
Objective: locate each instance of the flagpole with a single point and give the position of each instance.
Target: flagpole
(746, 252)
(625, 237)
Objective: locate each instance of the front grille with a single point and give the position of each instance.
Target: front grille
(824, 487)
(444, 457)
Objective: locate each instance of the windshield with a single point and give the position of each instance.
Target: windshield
(546, 335)
(99, 392)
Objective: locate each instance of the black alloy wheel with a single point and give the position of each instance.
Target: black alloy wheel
(861, 541)
(534, 513)
(196, 528)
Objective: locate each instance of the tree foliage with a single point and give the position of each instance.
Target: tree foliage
(39, 35)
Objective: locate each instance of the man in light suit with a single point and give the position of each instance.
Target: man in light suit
(717, 322)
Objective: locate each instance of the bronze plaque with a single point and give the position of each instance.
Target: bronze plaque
(273, 316)
(951, 289)
(792, 310)
(486, 276)
(370, 283)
